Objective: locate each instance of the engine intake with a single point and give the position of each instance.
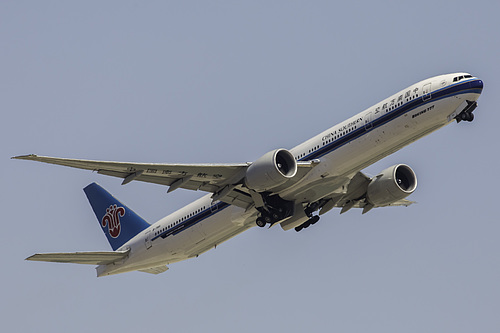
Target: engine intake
(393, 184)
(271, 170)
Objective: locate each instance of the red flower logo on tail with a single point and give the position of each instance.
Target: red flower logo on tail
(112, 220)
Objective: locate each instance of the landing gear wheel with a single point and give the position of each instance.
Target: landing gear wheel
(267, 219)
(260, 222)
(314, 219)
(467, 116)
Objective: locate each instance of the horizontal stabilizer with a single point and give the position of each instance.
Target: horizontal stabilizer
(87, 258)
(155, 270)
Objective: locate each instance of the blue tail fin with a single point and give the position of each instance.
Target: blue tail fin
(118, 222)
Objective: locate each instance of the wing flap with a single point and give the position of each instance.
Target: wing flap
(402, 202)
(155, 270)
(362, 204)
(87, 258)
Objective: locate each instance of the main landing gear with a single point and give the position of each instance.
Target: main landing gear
(308, 223)
(261, 222)
(274, 210)
(267, 217)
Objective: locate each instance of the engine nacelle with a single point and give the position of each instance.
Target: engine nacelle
(271, 170)
(393, 184)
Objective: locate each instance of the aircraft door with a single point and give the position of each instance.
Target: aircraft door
(426, 92)
(214, 206)
(368, 121)
(148, 240)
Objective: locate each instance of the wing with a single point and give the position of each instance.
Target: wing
(225, 181)
(205, 177)
(88, 258)
(355, 196)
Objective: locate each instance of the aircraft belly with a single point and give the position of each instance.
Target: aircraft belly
(187, 244)
(220, 228)
(202, 234)
(161, 253)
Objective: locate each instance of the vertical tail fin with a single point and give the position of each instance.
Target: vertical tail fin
(119, 223)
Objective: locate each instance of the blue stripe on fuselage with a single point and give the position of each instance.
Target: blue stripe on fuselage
(464, 87)
(212, 210)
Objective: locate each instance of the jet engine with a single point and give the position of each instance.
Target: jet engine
(393, 184)
(271, 170)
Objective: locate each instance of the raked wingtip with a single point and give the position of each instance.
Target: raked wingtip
(24, 157)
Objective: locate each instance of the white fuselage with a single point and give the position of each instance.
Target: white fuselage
(343, 150)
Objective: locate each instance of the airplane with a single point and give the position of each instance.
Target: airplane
(292, 188)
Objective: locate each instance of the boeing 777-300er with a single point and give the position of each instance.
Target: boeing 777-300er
(291, 188)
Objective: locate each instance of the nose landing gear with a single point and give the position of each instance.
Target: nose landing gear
(466, 114)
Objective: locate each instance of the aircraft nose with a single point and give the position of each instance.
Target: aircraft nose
(477, 84)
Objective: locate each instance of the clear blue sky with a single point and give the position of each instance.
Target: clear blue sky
(200, 81)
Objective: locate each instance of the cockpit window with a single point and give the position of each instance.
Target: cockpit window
(458, 78)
